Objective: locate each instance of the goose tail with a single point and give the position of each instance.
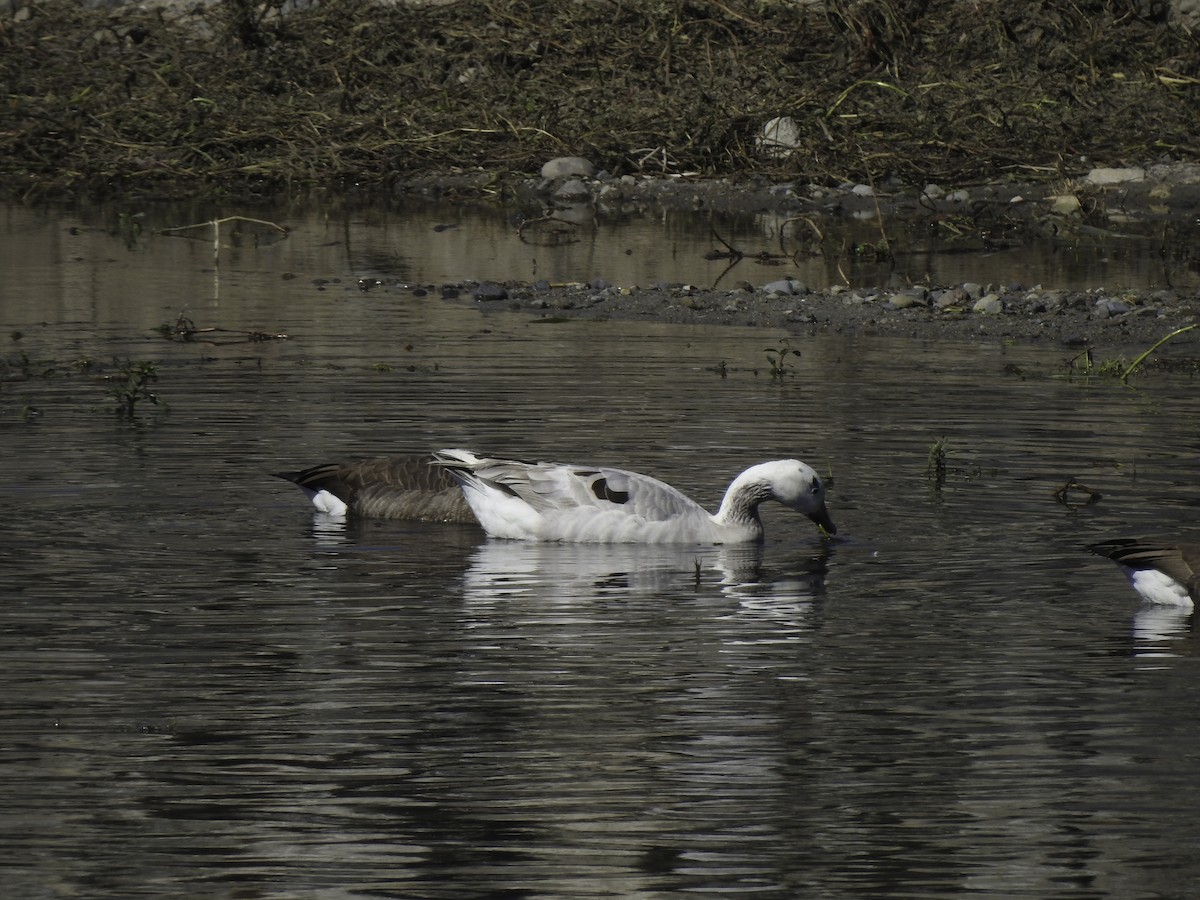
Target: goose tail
(458, 463)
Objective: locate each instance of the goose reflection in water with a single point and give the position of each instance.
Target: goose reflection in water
(1165, 573)
(1160, 630)
(567, 574)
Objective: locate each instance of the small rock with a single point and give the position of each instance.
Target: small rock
(779, 137)
(959, 196)
(958, 296)
(1115, 176)
(1064, 205)
(571, 188)
(568, 167)
(973, 289)
(863, 190)
(1049, 300)
(990, 305)
(1107, 309)
(934, 191)
(483, 293)
(783, 286)
(905, 299)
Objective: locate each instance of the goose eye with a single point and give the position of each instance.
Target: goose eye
(816, 488)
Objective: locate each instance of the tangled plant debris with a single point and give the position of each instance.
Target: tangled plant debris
(131, 385)
(244, 96)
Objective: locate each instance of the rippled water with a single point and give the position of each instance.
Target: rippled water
(208, 692)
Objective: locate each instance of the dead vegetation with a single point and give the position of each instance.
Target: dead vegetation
(242, 96)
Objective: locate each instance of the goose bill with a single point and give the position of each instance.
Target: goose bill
(821, 517)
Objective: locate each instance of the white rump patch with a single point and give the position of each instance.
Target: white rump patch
(327, 503)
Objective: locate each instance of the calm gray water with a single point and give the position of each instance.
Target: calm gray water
(208, 692)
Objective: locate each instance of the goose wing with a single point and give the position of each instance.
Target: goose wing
(391, 487)
(554, 487)
(617, 489)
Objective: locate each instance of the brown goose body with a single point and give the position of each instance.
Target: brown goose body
(391, 487)
(1160, 571)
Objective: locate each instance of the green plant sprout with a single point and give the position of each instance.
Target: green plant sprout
(777, 358)
(131, 385)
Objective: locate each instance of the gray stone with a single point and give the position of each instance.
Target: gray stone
(572, 187)
(568, 167)
(1050, 300)
(779, 137)
(973, 289)
(1186, 13)
(958, 296)
(1115, 176)
(990, 305)
(1107, 309)
(913, 297)
(783, 286)
(1177, 173)
(488, 291)
(1064, 205)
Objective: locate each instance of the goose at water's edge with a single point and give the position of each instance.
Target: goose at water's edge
(556, 502)
(1160, 571)
(392, 487)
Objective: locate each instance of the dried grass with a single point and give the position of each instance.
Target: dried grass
(240, 95)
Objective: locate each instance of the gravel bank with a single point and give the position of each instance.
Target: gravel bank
(961, 312)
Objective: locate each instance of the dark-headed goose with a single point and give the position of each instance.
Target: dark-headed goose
(393, 487)
(1160, 571)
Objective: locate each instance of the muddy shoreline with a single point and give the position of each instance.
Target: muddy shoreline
(1110, 319)
(1070, 320)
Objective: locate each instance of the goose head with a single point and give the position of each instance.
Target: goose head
(788, 481)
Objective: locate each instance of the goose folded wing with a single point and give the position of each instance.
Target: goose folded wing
(639, 495)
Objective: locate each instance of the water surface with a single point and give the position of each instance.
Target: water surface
(209, 692)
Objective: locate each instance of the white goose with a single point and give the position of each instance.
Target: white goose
(554, 502)
(392, 487)
(1160, 572)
